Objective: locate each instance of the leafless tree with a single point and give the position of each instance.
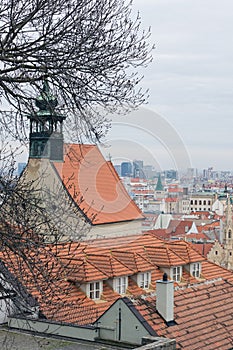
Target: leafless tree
(35, 226)
(89, 50)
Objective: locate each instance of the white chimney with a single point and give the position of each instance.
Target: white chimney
(165, 299)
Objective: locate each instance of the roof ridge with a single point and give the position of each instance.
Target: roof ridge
(123, 263)
(99, 269)
(168, 255)
(198, 284)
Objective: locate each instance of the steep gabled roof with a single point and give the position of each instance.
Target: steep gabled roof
(163, 256)
(185, 251)
(203, 248)
(179, 227)
(94, 185)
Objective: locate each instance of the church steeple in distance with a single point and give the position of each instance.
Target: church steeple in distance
(46, 134)
(228, 212)
(159, 185)
(228, 226)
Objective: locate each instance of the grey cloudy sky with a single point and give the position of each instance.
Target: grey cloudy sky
(191, 76)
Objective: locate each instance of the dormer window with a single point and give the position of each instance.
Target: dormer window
(196, 269)
(120, 284)
(95, 289)
(176, 273)
(144, 280)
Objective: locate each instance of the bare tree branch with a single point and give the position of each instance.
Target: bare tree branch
(90, 50)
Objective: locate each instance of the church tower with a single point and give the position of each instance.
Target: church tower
(228, 235)
(46, 134)
(159, 190)
(228, 226)
(222, 254)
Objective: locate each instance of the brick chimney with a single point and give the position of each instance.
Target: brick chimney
(165, 299)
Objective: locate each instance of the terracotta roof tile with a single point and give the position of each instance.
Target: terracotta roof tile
(133, 288)
(163, 256)
(203, 248)
(201, 307)
(95, 186)
(126, 258)
(185, 251)
(201, 316)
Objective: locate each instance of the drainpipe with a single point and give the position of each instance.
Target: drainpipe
(119, 319)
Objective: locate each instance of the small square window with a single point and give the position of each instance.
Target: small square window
(121, 284)
(144, 280)
(95, 290)
(176, 273)
(196, 270)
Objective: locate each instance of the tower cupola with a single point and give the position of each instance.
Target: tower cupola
(46, 128)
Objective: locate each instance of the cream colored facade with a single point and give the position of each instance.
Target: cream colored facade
(68, 221)
(222, 254)
(201, 201)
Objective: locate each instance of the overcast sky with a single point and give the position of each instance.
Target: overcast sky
(191, 76)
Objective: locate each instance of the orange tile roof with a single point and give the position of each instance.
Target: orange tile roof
(185, 251)
(196, 236)
(125, 258)
(177, 227)
(95, 186)
(171, 199)
(163, 256)
(201, 313)
(211, 226)
(107, 258)
(203, 248)
(201, 306)
(133, 288)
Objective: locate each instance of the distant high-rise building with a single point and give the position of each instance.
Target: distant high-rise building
(21, 167)
(171, 174)
(126, 169)
(205, 174)
(118, 169)
(138, 168)
(191, 173)
(149, 171)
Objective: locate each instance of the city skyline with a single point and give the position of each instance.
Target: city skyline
(191, 77)
(190, 84)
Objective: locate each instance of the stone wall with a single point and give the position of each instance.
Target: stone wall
(157, 343)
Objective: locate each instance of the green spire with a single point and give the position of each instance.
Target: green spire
(159, 185)
(46, 101)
